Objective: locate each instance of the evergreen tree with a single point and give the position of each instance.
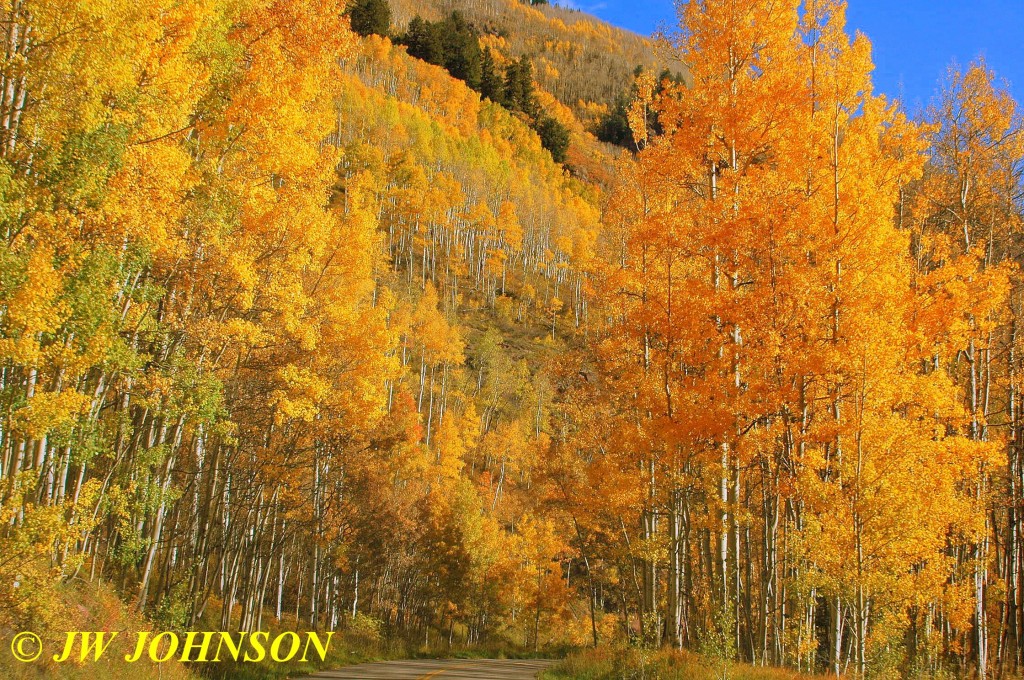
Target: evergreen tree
(423, 41)
(491, 85)
(370, 16)
(452, 43)
(461, 46)
(614, 125)
(519, 94)
(554, 137)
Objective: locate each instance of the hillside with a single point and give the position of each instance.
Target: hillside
(581, 60)
(375, 310)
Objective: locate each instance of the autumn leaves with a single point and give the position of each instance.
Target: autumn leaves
(771, 344)
(233, 374)
(170, 257)
(295, 325)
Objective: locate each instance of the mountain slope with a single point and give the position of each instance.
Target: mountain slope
(579, 59)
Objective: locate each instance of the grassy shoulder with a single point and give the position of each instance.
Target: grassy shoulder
(78, 607)
(615, 662)
(83, 607)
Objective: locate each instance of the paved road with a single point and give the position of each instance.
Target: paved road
(442, 669)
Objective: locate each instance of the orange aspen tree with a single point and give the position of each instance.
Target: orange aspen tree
(963, 216)
(763, 290)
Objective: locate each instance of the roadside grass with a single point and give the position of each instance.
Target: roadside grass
(88, 607)
(96, 608)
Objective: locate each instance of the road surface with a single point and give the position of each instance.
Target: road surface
(441, 669)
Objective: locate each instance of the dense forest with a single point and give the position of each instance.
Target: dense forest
(329, 315)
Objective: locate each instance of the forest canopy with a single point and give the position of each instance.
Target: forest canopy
(333, 316)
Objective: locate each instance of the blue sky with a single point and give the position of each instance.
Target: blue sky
(914, 40)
